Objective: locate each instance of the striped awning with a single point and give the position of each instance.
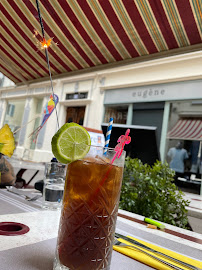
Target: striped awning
(186, 129)
(93, 34)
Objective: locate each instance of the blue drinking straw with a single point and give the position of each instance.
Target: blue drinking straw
(108, 134)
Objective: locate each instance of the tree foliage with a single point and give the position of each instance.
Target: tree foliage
(149, 191)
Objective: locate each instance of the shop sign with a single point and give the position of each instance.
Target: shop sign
(158, 92)
(149, 93)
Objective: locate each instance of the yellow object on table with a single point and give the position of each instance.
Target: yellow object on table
(146, 259)
(7, 141)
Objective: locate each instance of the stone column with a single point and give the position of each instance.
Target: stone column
(24, 122)
(41, 135)
(2, 111)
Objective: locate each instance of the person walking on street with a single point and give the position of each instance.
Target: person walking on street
(177, 156)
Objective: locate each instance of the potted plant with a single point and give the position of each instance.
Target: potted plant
(149, 191)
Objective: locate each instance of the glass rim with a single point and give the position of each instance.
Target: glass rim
(54, 162)
(99, 147)
(104, 147)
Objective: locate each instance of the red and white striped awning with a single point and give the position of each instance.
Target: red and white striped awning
(186, 129)
(93, 34)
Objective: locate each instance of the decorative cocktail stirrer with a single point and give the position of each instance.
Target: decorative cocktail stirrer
(122, 140)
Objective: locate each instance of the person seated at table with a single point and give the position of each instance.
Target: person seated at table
(7, 176)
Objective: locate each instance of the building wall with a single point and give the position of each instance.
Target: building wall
(176, 68)
(153, 73)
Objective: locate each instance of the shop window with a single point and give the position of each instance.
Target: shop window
(77, 95)
(75, 114)
(39, 106)
(10, 110)
(189, 113)
(14, 115)
(149, 114)
(119, 114)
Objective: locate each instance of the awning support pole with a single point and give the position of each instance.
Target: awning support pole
(164, 131)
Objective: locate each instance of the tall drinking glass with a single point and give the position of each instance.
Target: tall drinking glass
(89, 211)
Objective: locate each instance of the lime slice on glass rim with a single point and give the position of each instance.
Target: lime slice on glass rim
(71, 142)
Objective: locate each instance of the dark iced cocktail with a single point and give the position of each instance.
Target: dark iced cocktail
(89, 212)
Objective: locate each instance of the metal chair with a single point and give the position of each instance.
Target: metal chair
(20, 182)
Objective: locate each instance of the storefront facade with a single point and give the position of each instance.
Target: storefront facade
(151, 105)
(137, 94)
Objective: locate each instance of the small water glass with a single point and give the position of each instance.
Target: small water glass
(53, 189)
